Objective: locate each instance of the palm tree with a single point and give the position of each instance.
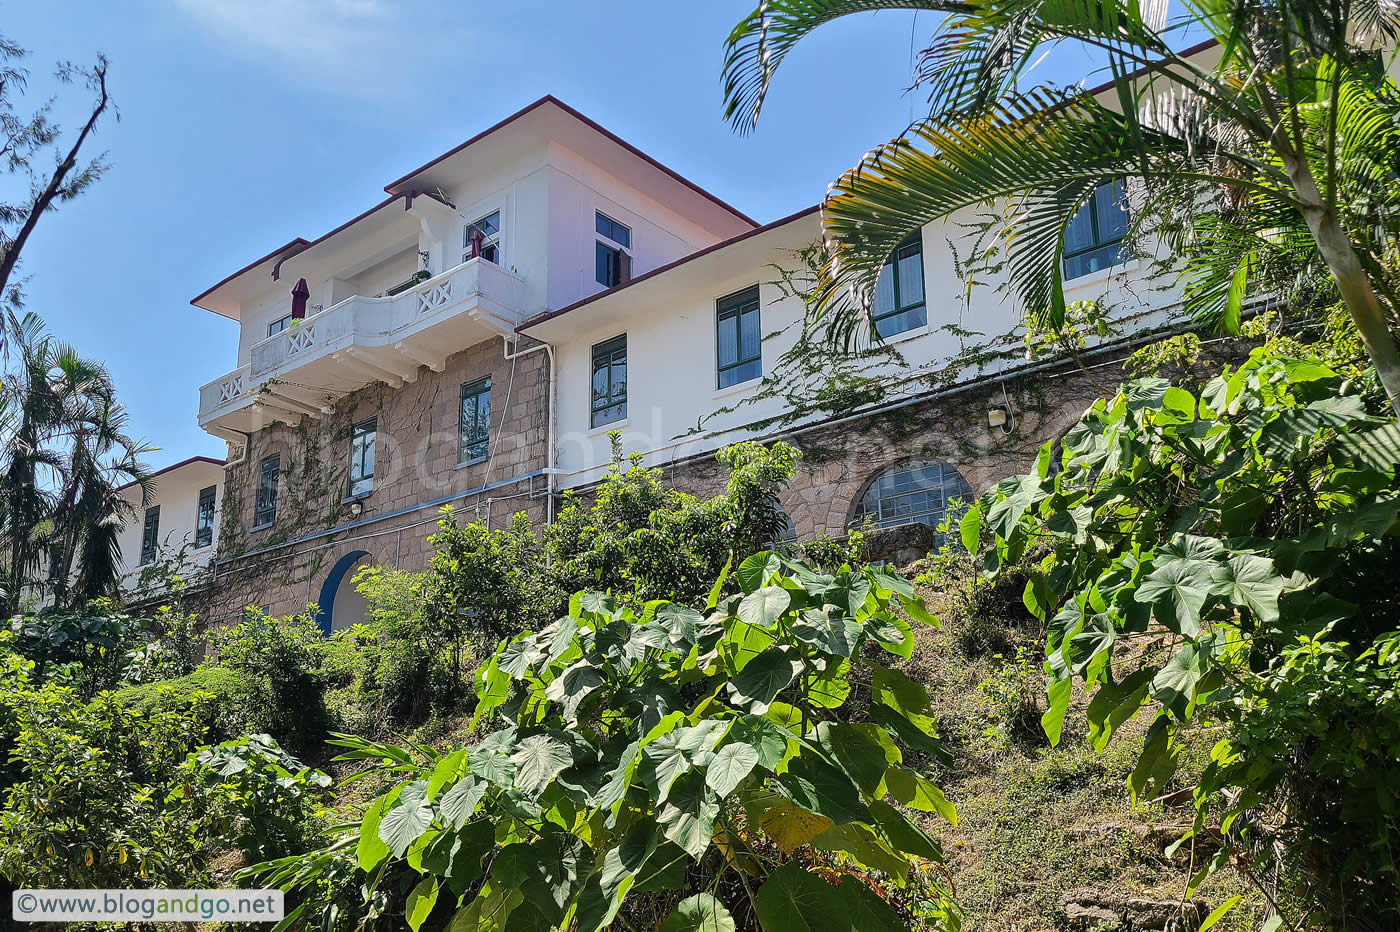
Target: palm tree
(1289, 138)
(66, 453)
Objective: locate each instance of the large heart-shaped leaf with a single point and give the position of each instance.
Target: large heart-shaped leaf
(730, 765)
(763, 607)
(699, 913)
(408, 818)
(1177, 592)
(764, 677)
(538, 760)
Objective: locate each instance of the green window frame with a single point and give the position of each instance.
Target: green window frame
(265, 506)
(738, 338)
(474, 421)
(1094, 235)
(362, 441)
(609, 388)
(204, 518)
(150, 535)
(899, 304)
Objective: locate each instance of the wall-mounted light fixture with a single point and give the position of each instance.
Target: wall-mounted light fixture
(996, 416)
(1001, 416)
(356, 508)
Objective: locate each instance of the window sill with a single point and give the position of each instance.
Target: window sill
(1102, 275)
(905, 335)
(199, 547)
(737, 387)
(262, 527)
(604, 428)
(474, 461)
(351, 499)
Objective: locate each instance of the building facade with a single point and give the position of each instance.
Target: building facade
(176, 527)
(473, 340)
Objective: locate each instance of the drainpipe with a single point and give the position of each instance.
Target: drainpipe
(549, 470)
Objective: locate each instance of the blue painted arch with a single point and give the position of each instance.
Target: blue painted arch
(325, 605)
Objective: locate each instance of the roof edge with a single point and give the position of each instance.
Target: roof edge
(660, 270)
(591, 124)
(212, 461)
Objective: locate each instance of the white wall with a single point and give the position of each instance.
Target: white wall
(177, 494)
(670, 322)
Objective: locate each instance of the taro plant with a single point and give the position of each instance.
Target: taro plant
(663, 767)
(1227, 560)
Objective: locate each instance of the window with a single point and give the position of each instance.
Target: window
(899, 291)
(489, 228)
(738, 341)
(911, 492)
(150, 535)
(474, 421)
(610, 381)
(204, 518)
(613, 264)
(362, 457)
(277, 326)
(1094, 235)
(265, 508)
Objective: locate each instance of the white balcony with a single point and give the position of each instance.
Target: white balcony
(304, 369)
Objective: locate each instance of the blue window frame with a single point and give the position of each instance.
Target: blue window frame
(204, 518)
(609, 391)
(150, 535)
(474, 421)
(613, 265)
(265, 507)
(899, 291)
(915, 491)
(362, 440)
(738, 342)
(1094, 235)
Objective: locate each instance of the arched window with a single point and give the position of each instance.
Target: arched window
(910, 492)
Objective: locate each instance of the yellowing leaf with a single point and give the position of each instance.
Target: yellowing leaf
(791, 826)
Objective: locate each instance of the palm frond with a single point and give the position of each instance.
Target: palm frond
(759, 43)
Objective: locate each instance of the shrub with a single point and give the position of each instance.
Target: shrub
(90, 808)
(251, 792)
(484, 582)
(231, 710)
(280, 661)
(94, 640)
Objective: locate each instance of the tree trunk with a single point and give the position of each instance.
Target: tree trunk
(1340, 255)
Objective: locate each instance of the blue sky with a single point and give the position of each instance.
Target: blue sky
(247, 122)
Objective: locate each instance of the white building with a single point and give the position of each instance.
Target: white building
(473, 338)
(178, 526)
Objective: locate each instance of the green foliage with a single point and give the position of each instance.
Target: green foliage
(90, 807)
(234, 703)
(96, 639)
(279, 659)
(1249, 529)
(658, 747)
(484, 582)
(253, 793)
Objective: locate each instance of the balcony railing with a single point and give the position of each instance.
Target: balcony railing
(353, 340)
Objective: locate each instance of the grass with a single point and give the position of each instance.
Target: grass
(1035, 822)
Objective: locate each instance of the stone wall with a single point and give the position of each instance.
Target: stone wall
(840, 457)
(416, 465)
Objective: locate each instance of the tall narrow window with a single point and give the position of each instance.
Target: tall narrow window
(610, 381)
(1094, 235)
(204, 518)
(738, 341)
(483, 238)
(278, 325)
(474, 421)
(265, 508)
(899, 291)
(150, 535)
(613, 262)
(362, 437)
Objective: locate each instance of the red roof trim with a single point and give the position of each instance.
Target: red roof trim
(1196, 49)
(301, 244)
(298, 242)
(551, 99)
(671, 265)
(180, 465)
